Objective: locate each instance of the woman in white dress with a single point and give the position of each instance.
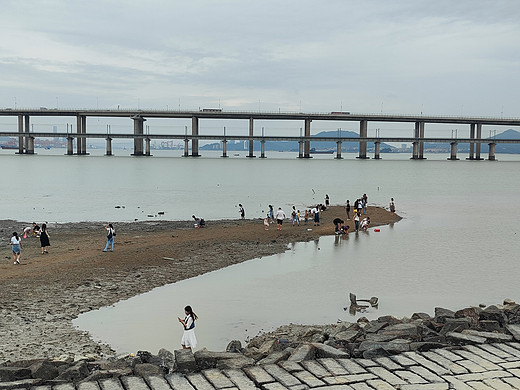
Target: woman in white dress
(188, 340)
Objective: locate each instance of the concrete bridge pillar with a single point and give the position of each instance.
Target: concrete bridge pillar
(421, 143)
(186, 142)
(224, 148)
(70, 146)
(492, 152)
(138, 130)
(453, 155)
(27, 128)
(195, 142)
(307, 143)
(477, 146)
(251, 142)
(338, 150)
(21, 139)
(300, 149)
(377, 149)
(30, 145)
(471, 144)
(363, 132)
(81, 142)
(109, 147)
(147, 147)
(262, 148)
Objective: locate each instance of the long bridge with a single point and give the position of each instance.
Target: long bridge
(142, 139)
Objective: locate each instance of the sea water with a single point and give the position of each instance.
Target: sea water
(456, 246)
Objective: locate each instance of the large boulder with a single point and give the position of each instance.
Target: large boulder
(493, 313)
(44, 370)
(234, 346)
(74, 373)
(392, 347)
(149, 369)
(185, 362)
(303, 352)
(167, 359)
(9, 374)
(208, 359)
(402, 331)
(441, 314)
(455, 325)
(470, 313)
(514, 330)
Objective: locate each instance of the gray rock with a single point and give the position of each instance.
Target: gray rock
(347, 336)
(489, 336)
(489, 326)
(461, 339)
(185, 361)
(391, 320)
(269, 347)
(402, 331)
(276, 357)
(303, 352)
(514, 330)
(455, 325)
(44, 370)
(394, 346)
(493, 313)
(167, 358)
(208, 359)
(376, 326)
(149, 369)
(238, 362)
(508, 301)
(9, 374)
(429, 335)
(471, 313)
(421, 316)
(234, 346)
(74, 373)
(325, 351)
(441, 314)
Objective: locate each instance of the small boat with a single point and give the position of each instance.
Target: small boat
(326, 151)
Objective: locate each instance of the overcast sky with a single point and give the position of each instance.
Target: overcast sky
(408, 56)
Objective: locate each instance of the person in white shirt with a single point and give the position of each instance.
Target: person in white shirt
(188, 340)
(16, 243)
(280, 216)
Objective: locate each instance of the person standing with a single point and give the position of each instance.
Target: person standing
(111, 232)
(364, 199)
(356, 220)
(271, 213)
(315, 212)
(16, 244)
(327, 200)
(188, 340)
(266, 222)
(280, 216)
(392, 205)
(44, 238)
(241, 211)
(294, 216)
(347, 209)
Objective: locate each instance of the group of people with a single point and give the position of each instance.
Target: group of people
(296, 216)
(35, 231)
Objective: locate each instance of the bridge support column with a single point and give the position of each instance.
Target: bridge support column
(224, 148)
(21, 139)
(415, 151)
(477, 146)
(363, 132)
(338, 150)
(70, 146)
(195, 142)
(138, 130)
(147, 147)
(471, 144)
(492, 152)
(307, 143)
(300, 149)
(109, 147)
(251, 142)
(27, 128)
(262, 149)
(81, 142)
(453, 155)
(377, 149)
(421, 143)
(186, 153)
(30, 145)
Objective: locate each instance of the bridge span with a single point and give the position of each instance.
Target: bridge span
(142, 140)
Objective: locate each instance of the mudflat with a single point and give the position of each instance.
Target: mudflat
(40, 297)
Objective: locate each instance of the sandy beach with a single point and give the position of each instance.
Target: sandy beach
(41, 296)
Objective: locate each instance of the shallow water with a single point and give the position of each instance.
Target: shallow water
(457, 246)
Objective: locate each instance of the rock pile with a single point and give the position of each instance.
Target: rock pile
(367, 339)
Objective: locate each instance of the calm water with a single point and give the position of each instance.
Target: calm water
(457, 245)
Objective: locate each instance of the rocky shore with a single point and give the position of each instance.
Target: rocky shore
(40, 297)
(363, 339)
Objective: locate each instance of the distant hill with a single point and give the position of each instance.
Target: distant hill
(500, 148)
(293, 146)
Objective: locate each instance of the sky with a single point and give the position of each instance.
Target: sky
(375, 56)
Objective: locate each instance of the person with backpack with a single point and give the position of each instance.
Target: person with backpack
(111, 233)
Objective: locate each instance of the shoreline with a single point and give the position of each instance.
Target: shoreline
(45, 293)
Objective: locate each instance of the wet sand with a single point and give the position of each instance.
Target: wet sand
(40, 297)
